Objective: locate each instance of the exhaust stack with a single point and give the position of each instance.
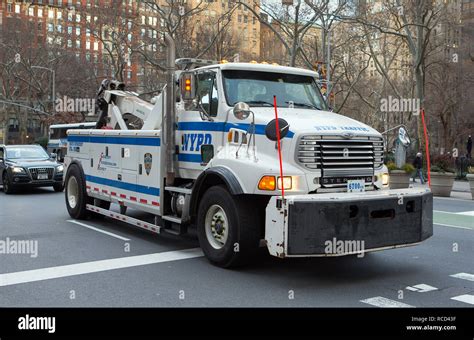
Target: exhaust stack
(168, 117)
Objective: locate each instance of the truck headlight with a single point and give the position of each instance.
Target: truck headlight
(270, 183)
(287, 183)
(385, 179)
(60, 168)
(18, 170)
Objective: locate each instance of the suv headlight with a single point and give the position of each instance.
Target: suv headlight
(18, 170)
(60, 168)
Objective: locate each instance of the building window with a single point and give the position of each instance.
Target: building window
(17, 8)
(13, 125)
(50, 27)
(31, 11)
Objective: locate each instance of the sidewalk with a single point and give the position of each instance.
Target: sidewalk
(461, 189)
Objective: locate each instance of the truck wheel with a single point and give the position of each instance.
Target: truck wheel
(228, 228)
(58, 187)
(7, 184)
(76, 195)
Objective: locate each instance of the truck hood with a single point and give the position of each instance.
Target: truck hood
(313, 121)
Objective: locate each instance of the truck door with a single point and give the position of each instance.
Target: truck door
(200, 124)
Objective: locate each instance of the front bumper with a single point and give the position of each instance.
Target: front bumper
(26, 180)
(336, 224)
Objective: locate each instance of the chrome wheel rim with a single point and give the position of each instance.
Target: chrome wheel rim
(216, 226)
(72, 192)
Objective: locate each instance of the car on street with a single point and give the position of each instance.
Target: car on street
(29, 165)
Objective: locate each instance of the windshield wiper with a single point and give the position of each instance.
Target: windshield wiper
(306, 105)
(259, 102)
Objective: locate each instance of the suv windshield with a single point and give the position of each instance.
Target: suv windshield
(258, 89)
(26, 152)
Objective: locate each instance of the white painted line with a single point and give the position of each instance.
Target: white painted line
(451, 226)
(380, 301)
(422, 288)
(99, 230)
(464, 276)
(35, 275)
(467, 298)
(466, 213)
(453, 199)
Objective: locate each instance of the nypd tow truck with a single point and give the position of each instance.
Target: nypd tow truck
(206, 153)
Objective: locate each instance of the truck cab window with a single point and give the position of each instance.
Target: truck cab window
(207, 92)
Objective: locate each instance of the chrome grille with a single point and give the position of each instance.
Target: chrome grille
(336, 156)
(35, 171)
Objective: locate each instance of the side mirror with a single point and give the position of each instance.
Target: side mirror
(271, 130)
(53, 156)
(207, 153)
(241, 111)
(187, 85)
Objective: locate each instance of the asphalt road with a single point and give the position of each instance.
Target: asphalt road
(103, 263)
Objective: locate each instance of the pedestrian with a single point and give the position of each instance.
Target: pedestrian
(418, 164)
(469, 147)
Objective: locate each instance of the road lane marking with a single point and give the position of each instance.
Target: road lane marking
(453, 199)
(453, 219)
(451, 226)
(463, 276)
(380, 301)
(99, 230)
(466, 298)
(35, 275)
(467, 213)
(421, 288)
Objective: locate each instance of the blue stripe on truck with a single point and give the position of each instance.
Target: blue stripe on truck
(190, 157)
(124, 185)
(224, 127)
(148, 141)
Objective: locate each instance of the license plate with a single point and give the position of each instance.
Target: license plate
(355, 185)
(42, 176)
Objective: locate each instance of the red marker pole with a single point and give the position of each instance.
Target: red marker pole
(427, 146)
(279, 147)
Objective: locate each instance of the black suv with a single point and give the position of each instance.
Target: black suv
(29, 165)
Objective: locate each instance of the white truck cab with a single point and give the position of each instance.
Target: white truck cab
(207, 155)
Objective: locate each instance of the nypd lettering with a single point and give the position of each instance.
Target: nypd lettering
(193, 141)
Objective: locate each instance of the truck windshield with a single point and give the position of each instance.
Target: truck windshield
(58, 133)
(258, 89)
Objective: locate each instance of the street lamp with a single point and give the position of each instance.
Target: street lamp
(53, 97)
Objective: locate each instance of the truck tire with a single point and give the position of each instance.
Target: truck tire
(228, 227)
(8, 187)
(75, 193)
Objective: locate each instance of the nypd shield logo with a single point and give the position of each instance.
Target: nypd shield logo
(148, 161)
